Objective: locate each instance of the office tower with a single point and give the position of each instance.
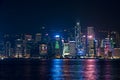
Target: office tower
(115, 39)
(90, 41)
(90, 32)
(107, 47)
(43, 50)
(78, 35)
(57, 46)
(28, 37)
(38, 37)
(66, 50)
(28, 45)
(80, 41)
(19, 48)
(72, 49)
(8, 49)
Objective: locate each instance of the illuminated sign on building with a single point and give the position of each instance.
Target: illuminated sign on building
(43, 48)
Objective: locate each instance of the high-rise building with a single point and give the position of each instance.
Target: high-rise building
(2, 46)
(28, 37)
(38, 37)
(115, 39)
(72, 48)
(8, 49)
(66, 49)
(19, 48)
(90, 32)
(28, 45)
(43, 50)
(90, 41)
(78, 35)
(57, 46)
(79, 41)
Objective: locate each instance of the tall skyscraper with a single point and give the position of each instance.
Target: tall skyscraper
(57, 46)
(90, 41)
(28, 45)
(78, 35)
(79, 41)
(19, 48)
(7, 48)
(90, 32)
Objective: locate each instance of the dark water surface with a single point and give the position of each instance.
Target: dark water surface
(59, 69)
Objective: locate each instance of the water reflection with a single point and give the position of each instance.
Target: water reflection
(60, 69)
(56, 70)
(90, 70)
(43, 70)
(27, 70)
(107, 70)
(74, 69)
(66, 70)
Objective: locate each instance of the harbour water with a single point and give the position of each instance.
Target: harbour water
(59, 69)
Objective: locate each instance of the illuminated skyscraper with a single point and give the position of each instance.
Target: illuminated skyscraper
(66, 49)
(78, 35)
(90, 41)
(28, 44)
(57, 46)
(80, 46)
(7, 48)
(90, 32)
(115, 39)
(19, 48)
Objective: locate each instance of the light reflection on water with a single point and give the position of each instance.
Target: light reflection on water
(74, 69)
(56, 70)
(60, 69)
(90, 70)
(108, 71)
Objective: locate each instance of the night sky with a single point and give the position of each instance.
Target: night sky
(31, 15)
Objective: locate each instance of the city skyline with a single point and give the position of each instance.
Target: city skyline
(30, 16)
(59, 40)
(86, 44)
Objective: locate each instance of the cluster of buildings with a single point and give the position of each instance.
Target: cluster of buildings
(93, 43)
(29, 45)
(70, 44)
